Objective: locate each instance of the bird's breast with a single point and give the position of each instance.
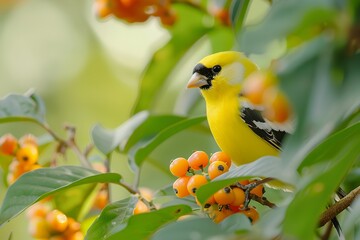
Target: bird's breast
(232, 135)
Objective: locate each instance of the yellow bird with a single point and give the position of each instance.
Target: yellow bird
(239, 128)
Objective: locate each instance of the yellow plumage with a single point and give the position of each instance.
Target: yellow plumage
(221, 90)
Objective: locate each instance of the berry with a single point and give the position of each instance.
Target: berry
(239, 196)
(219, 215)
(221, 156)
(27, 154)
(57, 221)
(217, 168)
(146, 193)
(224, 196)
(198, 160)
(244, 182)
(141, 207)
(180, 186)
(28, 139)
(277, 107)
(38, 228)
(76, 236)
(251, 213)
(179, 167)
(37, 210)
(8, 144)
(256, 84)
(258, 190)
(195, 182)
(101, 199)
(208, 202)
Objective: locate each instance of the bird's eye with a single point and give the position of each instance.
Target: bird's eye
(216, 68)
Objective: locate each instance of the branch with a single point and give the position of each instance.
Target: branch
(263, 201)
(338, 207)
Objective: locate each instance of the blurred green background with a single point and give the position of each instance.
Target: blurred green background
(87, 71)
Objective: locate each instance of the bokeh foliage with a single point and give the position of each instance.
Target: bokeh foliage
(318, 70)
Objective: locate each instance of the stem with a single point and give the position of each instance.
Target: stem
(263, 201)
(137, 178)
(338, 207)
(128, 188)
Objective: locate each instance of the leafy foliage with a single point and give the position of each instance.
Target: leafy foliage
(319, 71)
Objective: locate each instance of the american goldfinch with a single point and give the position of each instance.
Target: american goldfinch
(239, 128)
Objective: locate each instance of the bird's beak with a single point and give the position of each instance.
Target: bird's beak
(197, 80)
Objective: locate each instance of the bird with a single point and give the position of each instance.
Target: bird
(238, 127)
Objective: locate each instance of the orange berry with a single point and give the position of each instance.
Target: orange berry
(28, 139)
(38, 228)
(37, 210)
(141, 207)
(73, 227)
(102, 8)
(180, 186)
(179, 167)
(256, 84)
(76, 236)
(8, 144)
(146, 193)
(221, 156)
(208, 202)
(224, 196)
(101, 199)
(251, 213)
(198, 160)
(220, 215)
(244, 182)
(195, 183)
(99, 166)
(234, 208)
(277, 107)
(27, 154)
(258, 190)
(239, 196)
(57, 237)
(217, 168)
(168, 19)
(57, 220)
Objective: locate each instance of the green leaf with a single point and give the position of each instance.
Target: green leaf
(140, 151)
(149, 128)
(107, 140)
(166, 58)
(267, 166)
(238, 12)
(113, 215)
(256, 38)
(36, 185)
(118, 222)
(205, 228)
(331, 146)
(16, 107)
(81, 202)
(320, 181)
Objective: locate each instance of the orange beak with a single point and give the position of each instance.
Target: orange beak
(197, 80)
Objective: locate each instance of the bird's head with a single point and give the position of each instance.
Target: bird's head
(221, 72)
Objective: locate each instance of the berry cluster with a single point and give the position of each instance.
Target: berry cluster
(145, 198)
(48, 223)
(136, 10)
(261, 88)
(25, 152)
(224, 202)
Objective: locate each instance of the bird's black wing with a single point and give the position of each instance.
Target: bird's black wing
(261, 127)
